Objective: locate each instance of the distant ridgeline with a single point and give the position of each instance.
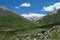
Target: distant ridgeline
(3, 8)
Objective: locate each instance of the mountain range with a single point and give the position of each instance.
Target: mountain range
(15, 26)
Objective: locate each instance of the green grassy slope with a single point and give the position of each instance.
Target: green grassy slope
(52, 23)
(50, 18)
(12, 21)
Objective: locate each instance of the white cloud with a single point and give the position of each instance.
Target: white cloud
(52, 7)
(33, 16)
(57, 5)
(25, 5)
(17, 7)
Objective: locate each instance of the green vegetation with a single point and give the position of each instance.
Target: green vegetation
(15, 27)
(50, 18)
(12, 21)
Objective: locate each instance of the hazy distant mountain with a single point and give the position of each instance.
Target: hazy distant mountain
(33, 16)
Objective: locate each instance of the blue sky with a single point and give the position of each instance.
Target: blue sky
(33, 6)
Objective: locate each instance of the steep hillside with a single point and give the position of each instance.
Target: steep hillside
(12, 21)
(52, 22)
(50, 18)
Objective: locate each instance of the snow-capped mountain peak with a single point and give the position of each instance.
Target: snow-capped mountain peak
(33, 16)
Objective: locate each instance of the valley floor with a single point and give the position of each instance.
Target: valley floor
(35, 34)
